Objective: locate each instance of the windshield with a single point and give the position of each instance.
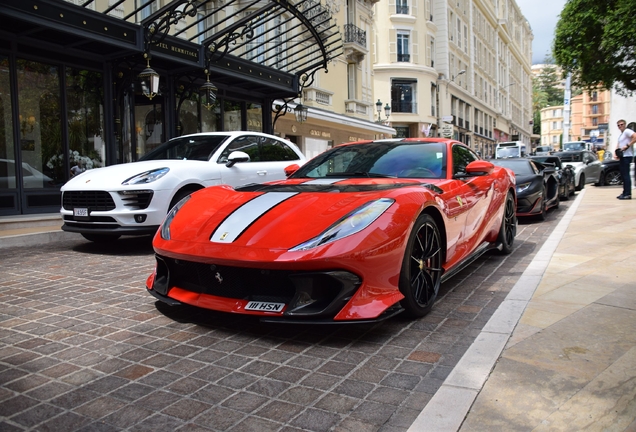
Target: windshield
(571, 157)
(187, 148)
(574, 146)
(549, 159)
(507, 152)
(519, 167)
(379, 159)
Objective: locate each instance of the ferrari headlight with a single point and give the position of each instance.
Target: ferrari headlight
(523, 186)
(146, 177)
(165, 227)
(352, 223)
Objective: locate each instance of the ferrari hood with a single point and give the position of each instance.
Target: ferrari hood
(281, 215)
(111, 177)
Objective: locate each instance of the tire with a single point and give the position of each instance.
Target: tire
(601, 180)
(581, 184)
(508, 230)
(613, 178)
(101, 238)
(421, 274)
(544, 211)
(179, 196)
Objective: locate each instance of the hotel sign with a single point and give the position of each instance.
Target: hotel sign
(176, 48)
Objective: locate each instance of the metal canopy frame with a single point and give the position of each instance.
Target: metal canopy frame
(273, 48)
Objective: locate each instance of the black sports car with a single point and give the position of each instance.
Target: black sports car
(565, 175)
(537, 186)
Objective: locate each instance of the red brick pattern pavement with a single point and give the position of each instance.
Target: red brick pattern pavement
(83, 347)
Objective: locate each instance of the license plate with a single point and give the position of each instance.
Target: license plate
(264, 306)
(82, 212)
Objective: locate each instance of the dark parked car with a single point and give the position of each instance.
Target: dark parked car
(537, 186)
(610, 173)
(565, 174)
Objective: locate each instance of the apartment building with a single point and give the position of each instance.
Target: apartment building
(462, 62)
(552, 126)
(589, 118)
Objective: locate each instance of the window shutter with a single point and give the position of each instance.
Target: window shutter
(413, 6)
(429, 53)
(392, 45)
(416, 57)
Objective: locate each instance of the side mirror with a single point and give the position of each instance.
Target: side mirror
(479, 167)
(289, 170)
(235, 157)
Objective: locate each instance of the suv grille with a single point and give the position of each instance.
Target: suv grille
(94, 200)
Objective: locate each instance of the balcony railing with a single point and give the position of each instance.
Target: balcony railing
(404, 57)
(354, 34)
(403, 107)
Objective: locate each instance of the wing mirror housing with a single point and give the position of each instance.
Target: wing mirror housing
(289, 170)
(479, 168)
(236, 157)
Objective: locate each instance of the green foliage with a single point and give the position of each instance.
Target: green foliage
(595, 40)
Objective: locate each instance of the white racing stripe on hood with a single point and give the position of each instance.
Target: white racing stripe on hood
(323, 181)
(245, 216)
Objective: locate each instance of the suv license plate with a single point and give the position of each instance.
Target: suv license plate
(264, 306)
(83, 212)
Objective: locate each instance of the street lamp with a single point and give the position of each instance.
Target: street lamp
(301, 112)
(149, 81)
(387, 110)
(208, 92)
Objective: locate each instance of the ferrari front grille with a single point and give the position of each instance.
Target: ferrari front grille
(231, 282)
(93, 200)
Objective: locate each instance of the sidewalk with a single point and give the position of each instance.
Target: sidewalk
(32, 230)
(560, 352)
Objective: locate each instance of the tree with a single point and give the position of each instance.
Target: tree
(595, 41)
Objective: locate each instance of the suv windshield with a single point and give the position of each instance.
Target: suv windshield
(187, 148)
(379, 159)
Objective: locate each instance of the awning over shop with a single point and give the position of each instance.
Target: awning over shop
(268, 49)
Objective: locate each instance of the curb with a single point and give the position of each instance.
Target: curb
(448, 408)
(36, 239)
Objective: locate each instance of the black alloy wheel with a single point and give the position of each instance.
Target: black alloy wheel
(612, 178)
(421, 273)
(508, 230)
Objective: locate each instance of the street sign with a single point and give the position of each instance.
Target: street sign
(602, 127)
(447, 130)
(447, 118)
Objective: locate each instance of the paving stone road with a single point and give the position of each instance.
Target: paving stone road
(83, 347)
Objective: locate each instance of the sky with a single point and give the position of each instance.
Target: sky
(542, 16)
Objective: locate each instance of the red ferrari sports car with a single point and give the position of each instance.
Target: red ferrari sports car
(360, 233)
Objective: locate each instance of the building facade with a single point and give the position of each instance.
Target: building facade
(463, 63)
(552, 127)
(590, 111)
(100, 82)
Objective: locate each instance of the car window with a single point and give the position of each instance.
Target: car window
(396, 159)
(247, 144)
(589, 157)
(274, 151)
(462, 156)
(190, 148)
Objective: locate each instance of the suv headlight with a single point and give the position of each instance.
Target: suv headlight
(146, 177)
(352, 223)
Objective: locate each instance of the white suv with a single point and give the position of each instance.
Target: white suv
(103, 204)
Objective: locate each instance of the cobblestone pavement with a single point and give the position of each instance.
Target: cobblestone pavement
(83, 347)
